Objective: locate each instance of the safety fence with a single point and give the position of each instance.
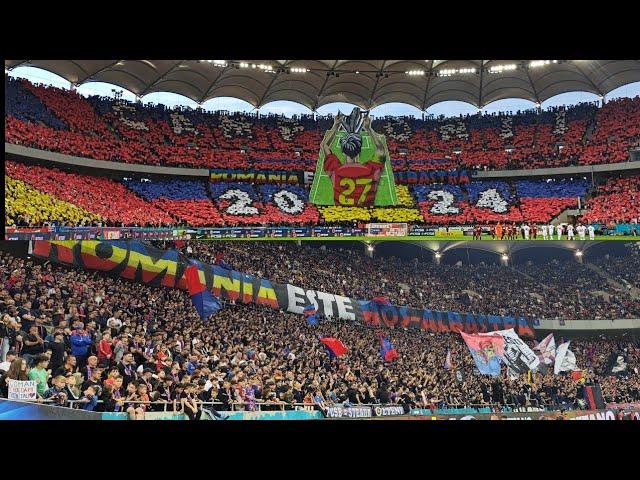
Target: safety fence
(270, 232)
(46, 410)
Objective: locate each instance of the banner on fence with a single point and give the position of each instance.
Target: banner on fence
(453, 177)
(21, 410)
(261, 176)
(22, 389)
(144, 263)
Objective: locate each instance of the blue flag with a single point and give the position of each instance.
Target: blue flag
(310, 313)
(205, 302)
(387, 351)
(224, 265)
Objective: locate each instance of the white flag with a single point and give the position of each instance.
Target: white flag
(517, 355)
(565, 359)
(547, 349)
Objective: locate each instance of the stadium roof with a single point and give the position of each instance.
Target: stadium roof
(366, 83)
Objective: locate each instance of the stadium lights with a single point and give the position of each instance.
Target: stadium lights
(299, 70)
(414, 73)
(447, 72)
(438, 255)
(578, 253)
(244, 65)
(505, 257)
(541, 63)
(503, 68)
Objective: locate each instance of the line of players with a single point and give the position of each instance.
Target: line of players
(533, 231)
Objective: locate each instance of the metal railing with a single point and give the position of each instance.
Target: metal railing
(259, 406)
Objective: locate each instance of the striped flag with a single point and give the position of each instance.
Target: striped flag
(335, 347)
(387, 351)
(205, 302)
(310, 313)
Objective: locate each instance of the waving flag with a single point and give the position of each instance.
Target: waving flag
(547, 350)
(617, 364)
(565, 359)
(205, 302)
(221, 263)
(447, 361)
(334, 346)
(578, 376)
(387, 351)
(486, 350)
(381, 300)
(518, 357)
(310, 313)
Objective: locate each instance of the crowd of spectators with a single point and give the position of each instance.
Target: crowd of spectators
(60, 120)
(616, 200)
(549, 290)
(626, 267)
(45, 194)
(106, 344)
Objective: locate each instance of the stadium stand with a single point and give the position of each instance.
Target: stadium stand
(192, 202)
(98, 195)
(617, 200)
(148, 344)
(106, 129)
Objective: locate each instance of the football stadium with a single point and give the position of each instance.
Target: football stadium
(84, 166)
(172, 329)
(320, 240)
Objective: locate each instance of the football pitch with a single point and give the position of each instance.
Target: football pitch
(459, 236)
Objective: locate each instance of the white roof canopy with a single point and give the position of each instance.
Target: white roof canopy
(314, 83)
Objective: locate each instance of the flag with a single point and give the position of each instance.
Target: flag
(565, 359)
(381, 300)
(593, 397)
(179, 243)
(616, 364)
(547, 350)
(205, 302)
(221, 263)
(517, 355)
(578, 376)
(225, 265)
(334, 346)
(447, 361)
(310, 313)
(486, 351)
(387, 351)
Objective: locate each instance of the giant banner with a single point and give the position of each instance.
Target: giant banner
(354, 167)
(144, 263)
